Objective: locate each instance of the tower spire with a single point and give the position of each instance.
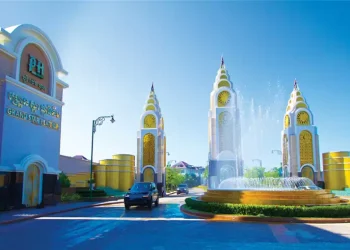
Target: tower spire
(152, 88)
(222, 62)
(295, 84)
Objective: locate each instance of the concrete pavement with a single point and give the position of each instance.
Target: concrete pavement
(14, 216)
(164, 227)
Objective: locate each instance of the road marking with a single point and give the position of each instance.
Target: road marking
(119, 218)
(282, 234)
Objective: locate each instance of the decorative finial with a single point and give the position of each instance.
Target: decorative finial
(152, 88)
(222, 61)
(295, 84)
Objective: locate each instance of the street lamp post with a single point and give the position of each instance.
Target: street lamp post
(258, 160)
(279, 152)
(98, 122)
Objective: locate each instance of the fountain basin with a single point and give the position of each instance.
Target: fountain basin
(272, 197)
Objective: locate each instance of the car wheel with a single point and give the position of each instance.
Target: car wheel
(156, 203)
(127, 207)
(149, 205)
(178, 193)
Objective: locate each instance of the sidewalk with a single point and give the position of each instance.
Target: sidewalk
(13, 216)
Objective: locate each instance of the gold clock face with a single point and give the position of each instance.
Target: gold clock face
(224, 98)
(150, 121)
(303, 118)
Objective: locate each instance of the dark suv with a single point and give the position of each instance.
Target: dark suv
(182, 188)
(142, 194)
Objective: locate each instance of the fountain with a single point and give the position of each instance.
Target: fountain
(266, 184)
(256, 129)
(261, 122)
(270, 191)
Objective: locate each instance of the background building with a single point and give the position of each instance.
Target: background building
(225, 152)
(299, 139)
(112, 175)
(185, 168)
(77, 169)
(31, 94)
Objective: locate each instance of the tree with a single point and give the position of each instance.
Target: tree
(275, 173)
(173, 178)
(64, 180)
(206, 172)
(192, 180)
(254, 172)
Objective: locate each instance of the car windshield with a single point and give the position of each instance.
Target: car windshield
(183, 186)
(141, 187)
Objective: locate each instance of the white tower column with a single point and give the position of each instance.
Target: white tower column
(299, 139)
(150, 143)
(224, 131)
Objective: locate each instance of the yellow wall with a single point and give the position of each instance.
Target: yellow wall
(117, 173)
(79, 180)
(336, 169)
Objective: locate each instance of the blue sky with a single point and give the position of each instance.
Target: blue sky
(114, 50)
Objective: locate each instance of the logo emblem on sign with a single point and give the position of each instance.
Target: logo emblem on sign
(36, 67)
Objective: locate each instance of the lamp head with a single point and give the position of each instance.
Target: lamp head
(112, 119)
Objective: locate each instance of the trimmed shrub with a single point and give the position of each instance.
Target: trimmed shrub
(334, 211)
(64, 180)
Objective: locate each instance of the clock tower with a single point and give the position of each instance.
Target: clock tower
(225, 153)
(151, 144)
(300, 144)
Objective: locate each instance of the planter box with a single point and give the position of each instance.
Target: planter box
(101, 199)
(70, 190)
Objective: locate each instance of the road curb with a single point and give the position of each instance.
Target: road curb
(233, 218)
(174, 192)
(57, 212)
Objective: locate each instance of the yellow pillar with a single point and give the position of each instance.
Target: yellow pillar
(126, 166)
(112, 174)
(119, 172)
(336, 169)
(100, 174)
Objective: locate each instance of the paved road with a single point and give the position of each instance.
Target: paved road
(164, 227)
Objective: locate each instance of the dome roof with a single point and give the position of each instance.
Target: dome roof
(222, 77)
(152, 102)
(296, 99)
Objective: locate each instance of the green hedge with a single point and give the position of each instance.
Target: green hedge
(70, 197)
(95, 193)
(336, 211)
